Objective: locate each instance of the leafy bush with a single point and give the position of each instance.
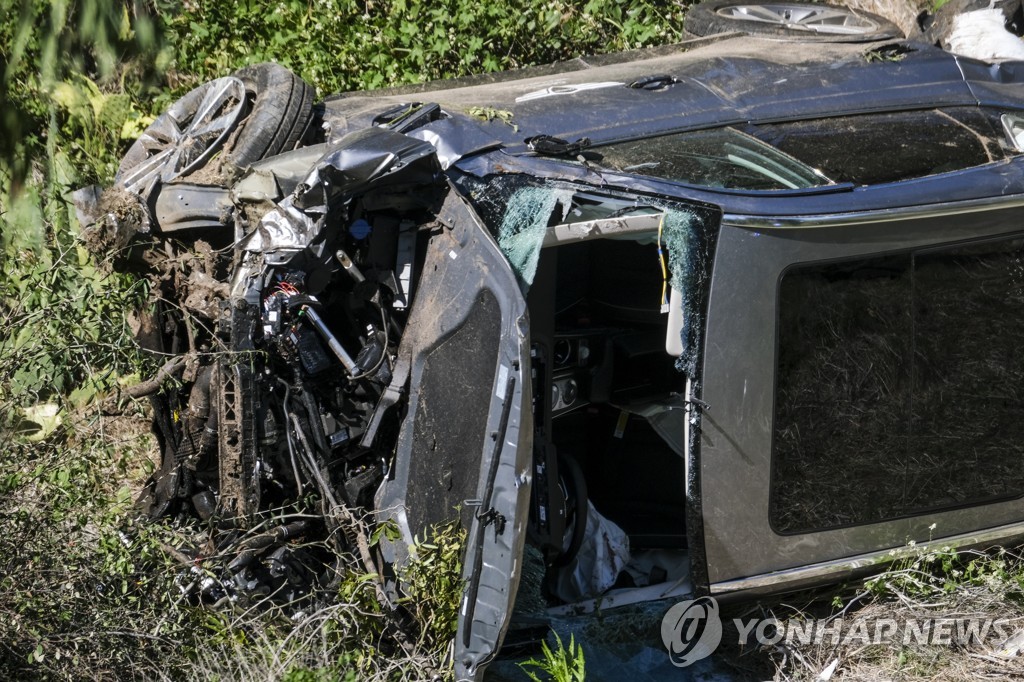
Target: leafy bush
(934, 571)
(341, 45)
(433, 586)
(64, 328)
(52, 55)
(81, 590)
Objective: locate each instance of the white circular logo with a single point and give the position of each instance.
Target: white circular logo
(691, 630)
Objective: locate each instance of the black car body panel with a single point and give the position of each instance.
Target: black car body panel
(723, 84)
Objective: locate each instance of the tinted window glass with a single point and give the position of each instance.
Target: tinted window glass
(724, 158)
(890, 147)
(968, 389)
(842, 409)
(900, 382)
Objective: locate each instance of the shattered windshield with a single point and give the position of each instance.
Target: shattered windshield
(526, 216)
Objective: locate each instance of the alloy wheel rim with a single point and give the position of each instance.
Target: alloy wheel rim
(825, 20)
(186, 136)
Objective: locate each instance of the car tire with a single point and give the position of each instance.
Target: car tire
(259, 111)
(789, 20)
(281, 110)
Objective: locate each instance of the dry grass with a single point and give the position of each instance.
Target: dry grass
(318, 646)
(934, 585)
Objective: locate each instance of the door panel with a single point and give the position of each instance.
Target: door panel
(465, 441)
(891, 394)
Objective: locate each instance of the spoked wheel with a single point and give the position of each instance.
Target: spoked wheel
(793, 20)
(259, 111)
(183, 138)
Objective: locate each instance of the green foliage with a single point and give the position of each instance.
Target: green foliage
(561, 664)
(492, 114)
(65, 334)
(81, 588)
(433, 585)
(52, 54)
(95, 126)
(341, 45)
(928, 571)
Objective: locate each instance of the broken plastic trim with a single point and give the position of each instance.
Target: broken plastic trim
(186, 206)
(371, 156)
(653, 82)
(406, 117)
(556, 146)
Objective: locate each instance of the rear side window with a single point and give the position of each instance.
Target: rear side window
(899, 386)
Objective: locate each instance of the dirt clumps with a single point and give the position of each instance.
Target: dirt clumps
(120, 215)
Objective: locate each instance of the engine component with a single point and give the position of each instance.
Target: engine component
(310, 352)
(404, 263)
(351, 268)
(332, 342)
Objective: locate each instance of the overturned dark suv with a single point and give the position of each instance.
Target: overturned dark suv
(731, 318)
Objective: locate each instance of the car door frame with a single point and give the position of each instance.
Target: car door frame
(466, 284)
(744, 554)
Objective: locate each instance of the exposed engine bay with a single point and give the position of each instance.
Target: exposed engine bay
(352, 362)
(316, 422)
(287, 354)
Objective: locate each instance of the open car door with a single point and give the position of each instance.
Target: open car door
(464, 443)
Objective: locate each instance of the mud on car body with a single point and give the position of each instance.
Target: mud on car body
(699, 321)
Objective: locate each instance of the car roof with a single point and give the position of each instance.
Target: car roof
(735, 80)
